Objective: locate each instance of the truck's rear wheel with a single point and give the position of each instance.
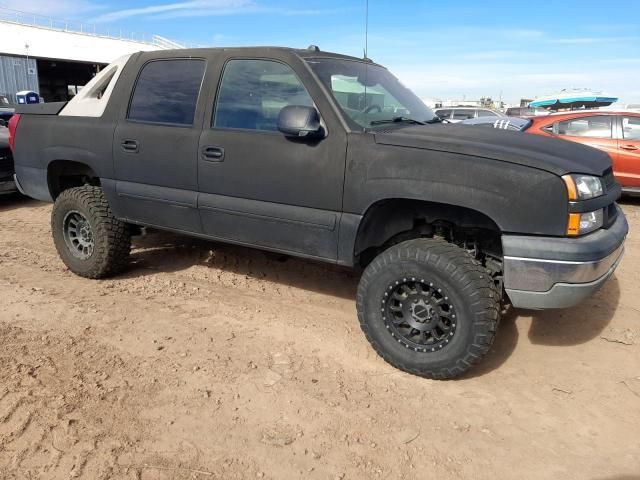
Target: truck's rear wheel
(428, 308)
(90, 240)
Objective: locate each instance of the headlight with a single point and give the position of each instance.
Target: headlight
(583, 187)
(581, 223)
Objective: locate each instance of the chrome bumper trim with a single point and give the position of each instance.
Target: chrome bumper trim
(561, 295)
(540, 275)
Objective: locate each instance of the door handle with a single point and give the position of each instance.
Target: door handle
(629, 147)
(130, 146)
(213, 154)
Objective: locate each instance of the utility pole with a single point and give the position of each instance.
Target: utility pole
(26, 47)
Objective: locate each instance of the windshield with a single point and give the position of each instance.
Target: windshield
(369, 95)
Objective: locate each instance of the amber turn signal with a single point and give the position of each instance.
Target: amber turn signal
(573, 228)
(572, 191)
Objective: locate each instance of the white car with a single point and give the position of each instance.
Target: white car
(458, 114)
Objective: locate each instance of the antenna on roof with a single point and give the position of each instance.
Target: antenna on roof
(366, 51)
(366, 30)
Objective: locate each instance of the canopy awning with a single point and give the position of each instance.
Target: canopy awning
(575, 99)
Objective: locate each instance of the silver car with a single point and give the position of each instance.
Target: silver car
(458, 114)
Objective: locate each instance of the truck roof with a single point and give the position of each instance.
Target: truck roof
(304, 53)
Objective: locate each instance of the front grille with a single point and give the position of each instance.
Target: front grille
(610, 211)
(610, 215)
(609, 179)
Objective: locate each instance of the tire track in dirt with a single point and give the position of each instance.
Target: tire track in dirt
(64, 418)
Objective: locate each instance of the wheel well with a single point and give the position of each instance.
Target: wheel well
(389, 222)
(65, 174)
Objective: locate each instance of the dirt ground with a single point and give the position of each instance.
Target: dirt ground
(210, 361)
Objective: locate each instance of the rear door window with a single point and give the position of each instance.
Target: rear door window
(598, 126)
(167, 92)
(444, 114)
(253, 92)
(631, 128)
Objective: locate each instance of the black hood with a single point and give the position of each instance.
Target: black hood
(550, 154)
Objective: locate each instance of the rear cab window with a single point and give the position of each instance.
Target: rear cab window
(167, 92)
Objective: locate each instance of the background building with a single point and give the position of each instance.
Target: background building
(55, 58)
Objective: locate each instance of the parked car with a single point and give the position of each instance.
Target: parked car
(458, 114)
(7, 184)
(296, 151)
(617, 133)
(6, 108)
(503, 123)
(526, 111)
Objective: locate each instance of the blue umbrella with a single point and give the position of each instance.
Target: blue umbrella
(574, 99)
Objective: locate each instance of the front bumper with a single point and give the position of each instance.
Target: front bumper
(543, 272)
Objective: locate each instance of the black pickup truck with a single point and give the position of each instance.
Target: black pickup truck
(328, 157)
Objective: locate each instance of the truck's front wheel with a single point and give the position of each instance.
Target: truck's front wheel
(428, 308)
(90, 240)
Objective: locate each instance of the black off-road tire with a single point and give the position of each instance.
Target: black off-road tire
(111, 237)
(441, 267)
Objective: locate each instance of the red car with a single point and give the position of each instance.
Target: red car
(617, 133)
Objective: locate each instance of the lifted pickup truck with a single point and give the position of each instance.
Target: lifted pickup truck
(328, 157)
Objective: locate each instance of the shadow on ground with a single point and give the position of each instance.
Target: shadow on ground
(561, 327)
(168, 252)
(630, 200)
(577, 325)
(14, 201)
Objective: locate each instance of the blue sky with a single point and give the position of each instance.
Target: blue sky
(441, 49)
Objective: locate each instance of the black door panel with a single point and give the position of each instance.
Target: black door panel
(282, 227)
(159, 206)
(163, 161)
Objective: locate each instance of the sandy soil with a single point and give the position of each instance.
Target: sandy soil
(210, 361)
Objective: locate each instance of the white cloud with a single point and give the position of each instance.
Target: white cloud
(65, 8)
(201, 8)
(197, 7)
(592, 40)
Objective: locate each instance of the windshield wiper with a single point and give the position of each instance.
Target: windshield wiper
(397, 120)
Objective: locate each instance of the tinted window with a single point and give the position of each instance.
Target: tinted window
(253, 92)
(463, 114)
(486, 113)
(443, 113)
(631, 128)
(596, 127)
(167, 92)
